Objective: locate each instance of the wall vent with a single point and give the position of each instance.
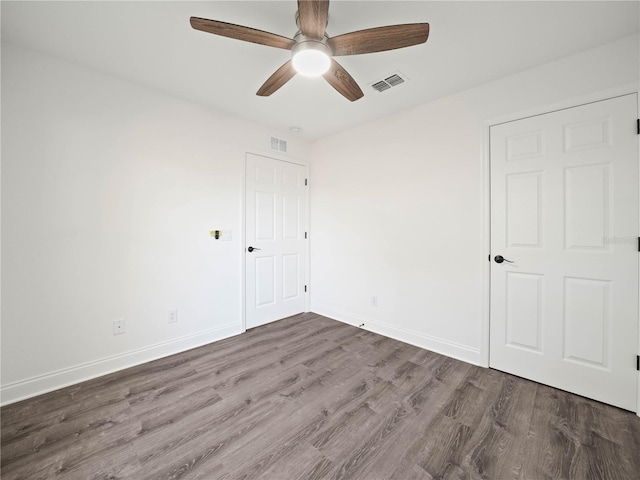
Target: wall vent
(389, 81)
(278, 144)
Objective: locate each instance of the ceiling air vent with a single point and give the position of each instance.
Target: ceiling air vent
(389, 81)
(277, 144)
(381, 86)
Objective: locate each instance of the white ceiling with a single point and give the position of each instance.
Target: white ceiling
(470, 43)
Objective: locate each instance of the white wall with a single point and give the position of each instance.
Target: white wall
(109, 191)
(398, 205)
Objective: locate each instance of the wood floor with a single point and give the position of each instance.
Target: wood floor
(312, 398)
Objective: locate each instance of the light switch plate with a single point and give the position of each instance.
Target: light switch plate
(224, 235)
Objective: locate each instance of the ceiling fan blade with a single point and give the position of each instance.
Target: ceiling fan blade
(379, 39)
(344, 83)
(281, 76)
(313, 15)
(239, 32)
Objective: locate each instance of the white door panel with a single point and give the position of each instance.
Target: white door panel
(275, 220)
(564, 210)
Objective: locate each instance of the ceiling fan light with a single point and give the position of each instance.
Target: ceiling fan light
(311, 58)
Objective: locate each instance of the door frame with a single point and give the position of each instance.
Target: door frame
(485, 327)
(243, 228)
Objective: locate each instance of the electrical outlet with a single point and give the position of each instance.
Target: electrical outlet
(173, 315)
(118, 327)
(374, 301)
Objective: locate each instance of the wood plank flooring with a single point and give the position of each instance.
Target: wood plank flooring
(311, 398)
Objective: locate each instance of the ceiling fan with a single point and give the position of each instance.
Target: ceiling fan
(312, 49)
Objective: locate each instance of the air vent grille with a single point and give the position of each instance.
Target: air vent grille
(278, 144)
(394, 80)
(389, 81)
(381, 86)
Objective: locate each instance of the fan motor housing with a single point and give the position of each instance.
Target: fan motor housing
(307, 43)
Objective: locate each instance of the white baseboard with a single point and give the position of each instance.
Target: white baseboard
(438, 345)
(16, 391)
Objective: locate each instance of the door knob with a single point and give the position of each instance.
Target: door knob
(251, 249)
(500, 259)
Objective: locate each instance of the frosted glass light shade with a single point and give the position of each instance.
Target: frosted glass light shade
(311, 62)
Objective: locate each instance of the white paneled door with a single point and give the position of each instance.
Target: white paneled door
(275, 239)
(564, 249)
